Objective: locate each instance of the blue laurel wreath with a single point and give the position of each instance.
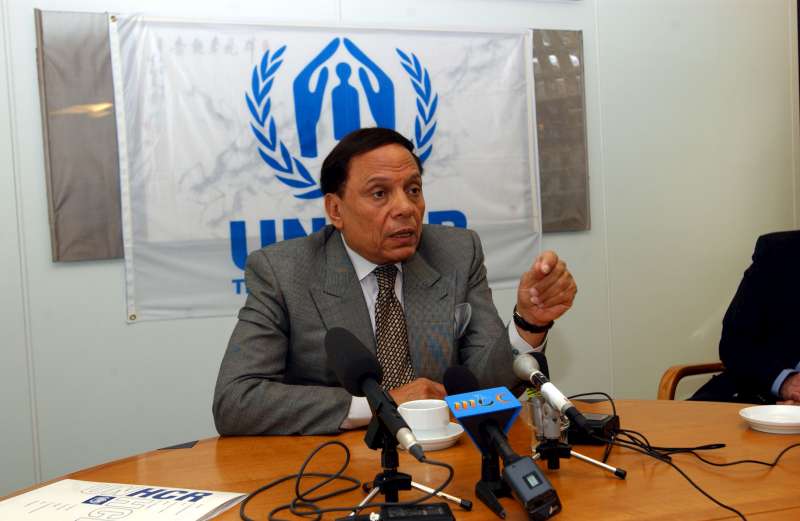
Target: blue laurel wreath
(263, 124)
(427, 103)
(260, 105)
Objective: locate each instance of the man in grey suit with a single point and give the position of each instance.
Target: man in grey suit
(415, 295)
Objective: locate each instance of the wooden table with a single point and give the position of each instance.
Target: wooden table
(652, 491)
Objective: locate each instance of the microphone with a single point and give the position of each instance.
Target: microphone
(487, 415)
(526, 367)
(360, 374)
(458, 380)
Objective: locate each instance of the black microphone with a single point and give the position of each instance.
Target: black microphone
(459, 380)
(360, 374)
(526, 367)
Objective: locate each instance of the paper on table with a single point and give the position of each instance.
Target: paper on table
(73, 500)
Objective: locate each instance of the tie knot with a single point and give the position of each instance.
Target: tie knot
(386, 275)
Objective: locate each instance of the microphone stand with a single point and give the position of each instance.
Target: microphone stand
(491, 485)
(550, 448)
(389, 481)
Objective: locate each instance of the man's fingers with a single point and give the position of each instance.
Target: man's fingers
(546, 261)
(562, 299)
(528, 278)
(541, 268)
(561, 291)
(418, 389)
(438, 391)
(549, 285)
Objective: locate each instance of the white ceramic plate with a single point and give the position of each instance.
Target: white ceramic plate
(775, 419)
(449, 439)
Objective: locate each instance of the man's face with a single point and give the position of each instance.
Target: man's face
(381, 207)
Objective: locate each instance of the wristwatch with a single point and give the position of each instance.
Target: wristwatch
(527, 326)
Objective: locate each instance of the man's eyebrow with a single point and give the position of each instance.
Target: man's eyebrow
(377, 179)
(380, 178)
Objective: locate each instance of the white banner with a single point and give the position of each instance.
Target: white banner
(223, 127)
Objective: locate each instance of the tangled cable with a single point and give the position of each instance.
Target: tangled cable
(305, 505)
(634, 440)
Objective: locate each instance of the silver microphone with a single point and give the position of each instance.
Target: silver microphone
(527, 368)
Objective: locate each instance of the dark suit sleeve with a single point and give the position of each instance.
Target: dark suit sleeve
(251, 397)
(485, 348)
(753, 346)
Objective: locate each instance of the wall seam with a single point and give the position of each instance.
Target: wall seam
(604, 191)
(23, 271)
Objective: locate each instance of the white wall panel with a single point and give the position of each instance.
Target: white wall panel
(698, 139)
(17, 459)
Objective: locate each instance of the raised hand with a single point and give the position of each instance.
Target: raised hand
(546, 291)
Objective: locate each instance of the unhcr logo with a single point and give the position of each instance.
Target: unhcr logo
(340, 57)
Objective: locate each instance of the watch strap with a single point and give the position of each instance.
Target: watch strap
(527, 326)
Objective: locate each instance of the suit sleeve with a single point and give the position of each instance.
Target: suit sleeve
(485, 348)
(251, 396)
(750, 347)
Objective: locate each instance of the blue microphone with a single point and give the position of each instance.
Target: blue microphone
(486, 415)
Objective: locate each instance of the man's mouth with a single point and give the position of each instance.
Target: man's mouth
(405, 233)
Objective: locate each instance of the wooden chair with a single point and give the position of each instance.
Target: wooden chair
(671, 377)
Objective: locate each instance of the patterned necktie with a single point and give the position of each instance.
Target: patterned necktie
(390, 330)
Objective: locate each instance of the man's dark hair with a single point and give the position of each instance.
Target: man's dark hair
(334, 169)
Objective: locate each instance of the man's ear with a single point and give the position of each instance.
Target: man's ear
(333, 207)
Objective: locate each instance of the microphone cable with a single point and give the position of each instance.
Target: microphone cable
(304, 505)
(636, 441)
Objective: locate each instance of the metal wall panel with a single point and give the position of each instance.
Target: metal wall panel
(80, 135)
(561, 129)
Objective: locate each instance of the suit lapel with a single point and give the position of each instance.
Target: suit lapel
(427, 302)
(338, 296)
(428, 305)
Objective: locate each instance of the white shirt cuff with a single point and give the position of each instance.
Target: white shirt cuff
(519, 345)
(358, 415)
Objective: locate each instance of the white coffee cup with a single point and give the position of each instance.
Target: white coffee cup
(427, 418)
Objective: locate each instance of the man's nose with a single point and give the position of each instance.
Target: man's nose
(402, 204)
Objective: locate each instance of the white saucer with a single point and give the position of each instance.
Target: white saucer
(440, 442)
(775, 419)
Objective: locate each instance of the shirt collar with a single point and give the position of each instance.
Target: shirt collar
(362, 266)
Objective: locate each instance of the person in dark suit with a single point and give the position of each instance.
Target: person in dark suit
(416, 295)
(760, 344)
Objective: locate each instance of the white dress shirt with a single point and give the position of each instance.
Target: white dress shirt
(359, 413)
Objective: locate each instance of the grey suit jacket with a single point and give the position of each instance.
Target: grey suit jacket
(274, 377)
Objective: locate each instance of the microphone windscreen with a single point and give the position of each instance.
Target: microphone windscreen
(350, 360)
(524, 366)
(458, 379)
(528, 363)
